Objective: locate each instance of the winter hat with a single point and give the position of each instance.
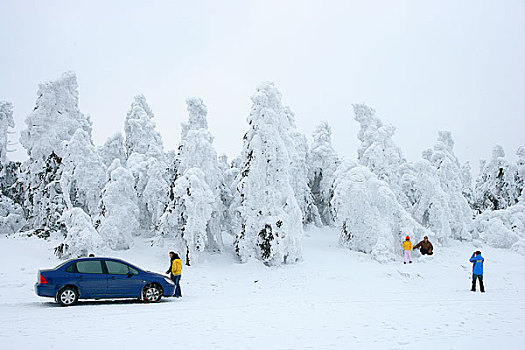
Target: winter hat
(408, 238)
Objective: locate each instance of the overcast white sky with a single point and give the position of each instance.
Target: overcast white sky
(423, 65)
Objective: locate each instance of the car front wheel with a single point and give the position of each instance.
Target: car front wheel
(152, 293)
(67, 296)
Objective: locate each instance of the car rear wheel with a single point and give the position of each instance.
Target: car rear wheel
(67, 296)
(152, 293)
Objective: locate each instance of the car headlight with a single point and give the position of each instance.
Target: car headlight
(168, 280)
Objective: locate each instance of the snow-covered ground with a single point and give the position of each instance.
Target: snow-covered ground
(333, 299)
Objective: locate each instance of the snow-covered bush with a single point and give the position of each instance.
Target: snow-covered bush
(11, 216)
(11, 198)
(81, 237)
(368, 214)
(267, 217)
(117, 221)
(186, 218)
(11, 223)
(503, 228)
(322, 163)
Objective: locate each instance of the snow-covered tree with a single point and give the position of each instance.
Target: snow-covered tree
(113, 149)
(44, 202)
(369, 216)
(497, 186)
(468, 190)
(229, 174)
(429, 202)
(6, 122)
(147, 162)
(55, 118)
(196, 151)
(139, 127)
(378, 151)
(155, 195)
(297, 148)
(452, 183)
(118, 215)
(10, 184)
(53, 121)
(268, 219)
(186, 218)
(151, 189)
(521, 173)
(81, 238)
(322, 164)
(11, 214)
(84, 174)
(499, 200)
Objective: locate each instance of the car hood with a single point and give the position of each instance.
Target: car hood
(155, 274)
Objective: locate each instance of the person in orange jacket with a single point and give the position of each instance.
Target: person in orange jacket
(407, 247)
(175, 272)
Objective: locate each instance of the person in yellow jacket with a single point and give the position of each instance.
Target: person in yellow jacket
(407, 247)
(175, 272)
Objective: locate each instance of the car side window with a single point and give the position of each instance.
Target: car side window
(72, 268)
(92, 266)
(117, 268)
(133, 271)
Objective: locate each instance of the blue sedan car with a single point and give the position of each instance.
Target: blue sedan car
(101, 278)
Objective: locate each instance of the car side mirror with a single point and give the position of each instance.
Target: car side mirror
(130, 274)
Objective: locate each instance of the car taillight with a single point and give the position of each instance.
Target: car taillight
(42, 280)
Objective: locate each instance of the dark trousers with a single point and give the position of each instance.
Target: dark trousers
(480, 278)
(425, 252)
(176, 280)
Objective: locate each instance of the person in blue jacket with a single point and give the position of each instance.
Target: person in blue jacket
(477, 271)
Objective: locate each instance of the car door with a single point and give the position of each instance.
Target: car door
(123, 280)
(91, 279)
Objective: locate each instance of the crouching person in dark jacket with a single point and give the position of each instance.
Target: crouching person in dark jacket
(477, 271)
(425, 246)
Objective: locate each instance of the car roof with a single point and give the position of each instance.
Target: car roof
(102, 258)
